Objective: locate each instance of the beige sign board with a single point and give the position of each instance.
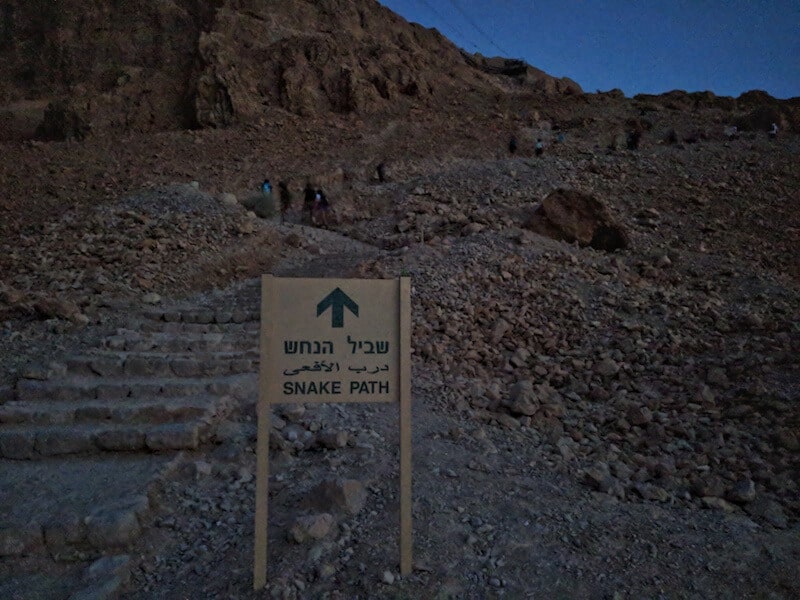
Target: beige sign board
(333, 340)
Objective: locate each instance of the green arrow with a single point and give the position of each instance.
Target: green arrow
(337, 300)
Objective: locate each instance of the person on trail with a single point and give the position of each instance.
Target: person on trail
(633, 139)
(262, 203)
(731, 132)
(512, 145)
(286, 199)
(309, 197)
(539, 149)
(321, 208)
(773, 133)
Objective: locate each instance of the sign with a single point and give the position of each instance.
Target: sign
(333, 340)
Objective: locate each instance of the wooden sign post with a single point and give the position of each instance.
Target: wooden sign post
(333, 340)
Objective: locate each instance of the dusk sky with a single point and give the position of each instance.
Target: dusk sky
(646, 46)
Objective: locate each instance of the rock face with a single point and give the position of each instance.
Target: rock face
(143, 66)
(120, 65)
(524, 73)
(153, 66)
(576, 217)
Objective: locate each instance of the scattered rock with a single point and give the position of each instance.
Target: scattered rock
(333, 440)
(523, 399)
(718, 503)
(742, 492)
(346, 495)
(311, 527)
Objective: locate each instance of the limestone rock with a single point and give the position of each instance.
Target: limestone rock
(639, 415)
(105, 578)
(346, 495)
(523, 399)
(598, 477)
(769, 510)
(500, 328)
(577, 217)
(742, 492)
(311, 527)
(718, 503)
(48, 308)
(333, 440)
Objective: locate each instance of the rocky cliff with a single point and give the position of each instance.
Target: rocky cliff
(76, 66)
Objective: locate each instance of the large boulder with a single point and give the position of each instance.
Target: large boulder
(573, 216)
(62, 121)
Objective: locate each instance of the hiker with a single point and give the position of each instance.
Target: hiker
(381, 172)
(285, 198)
(262, 203)
(773, 133)
(634, 137)
(309, 196)
(321, 208)
(539, 149)
(512, 145)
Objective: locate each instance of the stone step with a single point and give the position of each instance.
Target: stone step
(21, 442)
(133, 341)
(197, 328)
(114, 411)
(80, 388)
(160, 364)
(204, 316)
(7, 393)
(76, 508)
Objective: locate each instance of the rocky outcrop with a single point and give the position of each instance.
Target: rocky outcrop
(123, 66)
(525, 74)
(576, 217)
(143, 66)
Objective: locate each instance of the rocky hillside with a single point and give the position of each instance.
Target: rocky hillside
(605, 336)
(621, 424)
(71, 67)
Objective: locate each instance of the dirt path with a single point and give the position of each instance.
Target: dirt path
(495, 515)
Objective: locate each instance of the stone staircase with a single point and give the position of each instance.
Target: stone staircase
(85, 436)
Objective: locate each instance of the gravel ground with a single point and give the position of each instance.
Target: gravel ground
(586, 424)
